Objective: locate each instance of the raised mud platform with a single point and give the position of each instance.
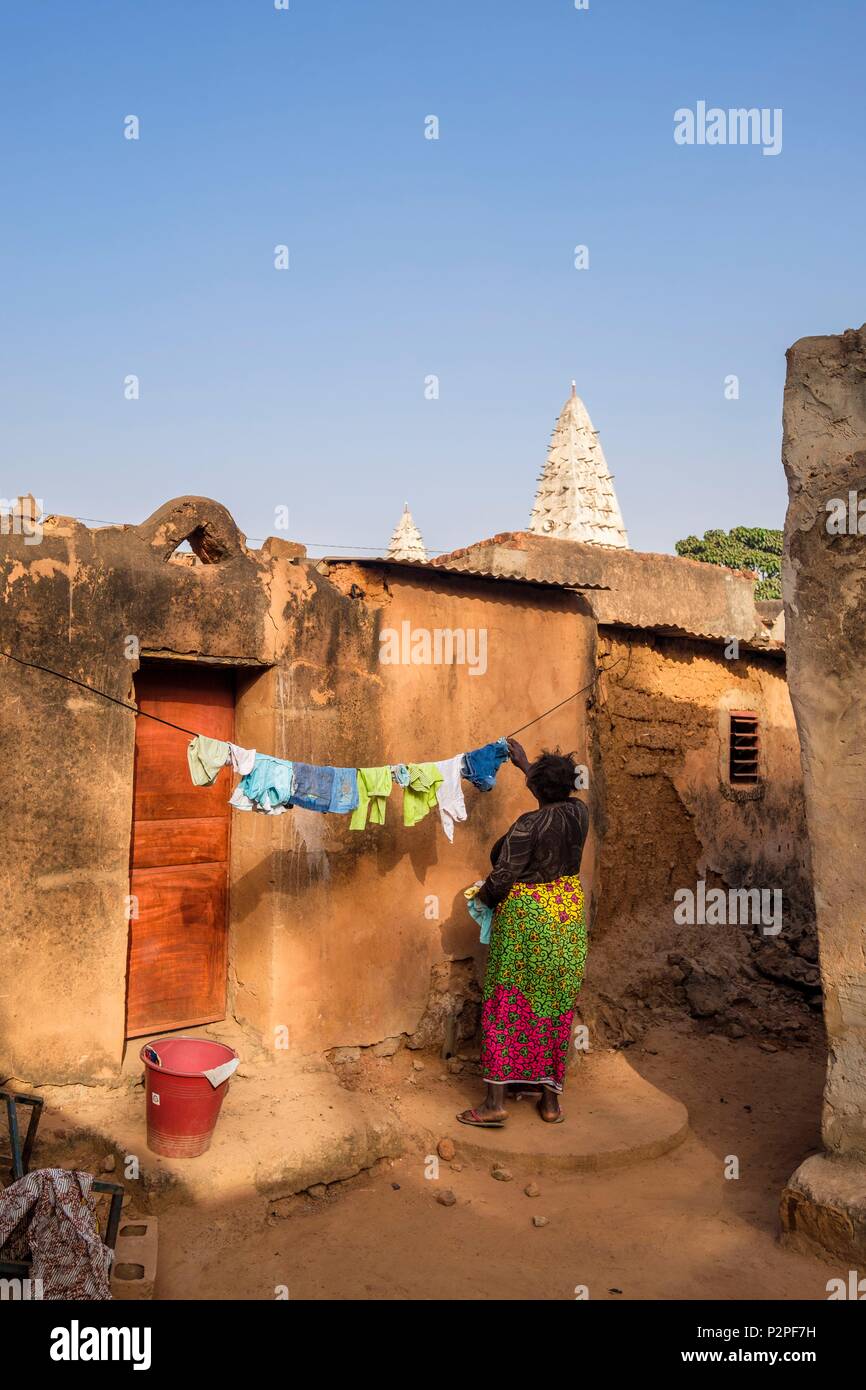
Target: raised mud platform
(613, 1117)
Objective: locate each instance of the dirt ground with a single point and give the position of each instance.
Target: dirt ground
(671, 1228)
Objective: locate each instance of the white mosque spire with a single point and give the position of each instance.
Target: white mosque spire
(575, 500)
(406, 542)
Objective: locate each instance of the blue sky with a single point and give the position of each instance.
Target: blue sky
(409, 257)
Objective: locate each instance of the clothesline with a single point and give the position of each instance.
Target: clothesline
(143, 714)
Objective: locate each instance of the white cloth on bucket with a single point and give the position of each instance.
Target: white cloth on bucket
(217, 1075)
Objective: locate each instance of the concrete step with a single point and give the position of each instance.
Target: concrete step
(283, 1127)
(613, 1117)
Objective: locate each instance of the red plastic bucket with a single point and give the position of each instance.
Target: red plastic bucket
(182, 1105)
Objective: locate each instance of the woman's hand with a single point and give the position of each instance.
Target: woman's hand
(518, 755)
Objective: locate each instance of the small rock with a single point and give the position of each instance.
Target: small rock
(532, 1190)
(766, 1046)
(736, 1030)
(447, 1149)
(417, 1066)
(540, 1221)
(396, 1186)
(446, 1197)
(455, 1066)
(501, 1174)
(387, 1048)
(108, 1164)
(318, 1191)
(456, 1167)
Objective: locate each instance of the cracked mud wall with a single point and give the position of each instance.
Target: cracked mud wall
(339, 937)
(824, 587)
(366, 925)
(668, 817)
(73, 602)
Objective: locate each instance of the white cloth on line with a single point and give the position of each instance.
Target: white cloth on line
(242, 802)
(241, 759)
(449, 794)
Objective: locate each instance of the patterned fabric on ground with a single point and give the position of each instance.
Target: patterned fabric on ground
(482, 764)
(48, 1217)
(419, 796)
(267, 788)
(205, 757)
(374, 788)
(534, 974)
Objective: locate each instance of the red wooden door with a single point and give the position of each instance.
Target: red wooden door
(178, 942)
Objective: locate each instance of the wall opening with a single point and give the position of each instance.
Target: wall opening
(744, 748)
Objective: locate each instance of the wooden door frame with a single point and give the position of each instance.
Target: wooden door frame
(178, 663)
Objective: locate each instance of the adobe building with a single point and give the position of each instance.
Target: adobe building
(137, 904)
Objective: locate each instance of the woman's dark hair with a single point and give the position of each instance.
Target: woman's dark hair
(551, 776)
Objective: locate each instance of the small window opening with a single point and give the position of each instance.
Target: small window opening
(744, 748)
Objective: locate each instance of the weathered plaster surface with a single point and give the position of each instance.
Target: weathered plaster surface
(668, 817)
(349, 940)
(824, 580)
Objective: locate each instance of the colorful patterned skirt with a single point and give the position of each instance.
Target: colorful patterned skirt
(534, 973)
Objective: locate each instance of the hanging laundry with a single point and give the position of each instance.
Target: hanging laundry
(400, 773)
(243, 760)
(344, 795)
(205, 757)
(482, 764)
(419, 796)
(449, 794)
(267, 788)
(313, 787)
(374, 788)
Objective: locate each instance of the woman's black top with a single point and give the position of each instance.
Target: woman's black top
(540, 846)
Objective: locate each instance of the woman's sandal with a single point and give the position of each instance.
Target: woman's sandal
(478, 1121)
(550, 1119)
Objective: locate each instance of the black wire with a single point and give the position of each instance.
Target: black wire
(599, 672)
(124, 704)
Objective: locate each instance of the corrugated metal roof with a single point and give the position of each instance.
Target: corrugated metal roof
(443, 567)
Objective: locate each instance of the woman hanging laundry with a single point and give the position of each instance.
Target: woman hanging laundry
(537, 944)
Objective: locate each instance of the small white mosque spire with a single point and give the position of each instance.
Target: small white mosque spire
(406, 542)
(575, 500)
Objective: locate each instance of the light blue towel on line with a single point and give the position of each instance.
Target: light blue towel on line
(267, 787)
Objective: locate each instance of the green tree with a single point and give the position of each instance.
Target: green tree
(744, 548)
